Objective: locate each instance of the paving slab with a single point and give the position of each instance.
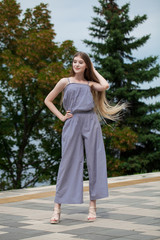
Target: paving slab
(131, 212)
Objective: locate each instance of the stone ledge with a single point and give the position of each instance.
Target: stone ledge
(48, 191)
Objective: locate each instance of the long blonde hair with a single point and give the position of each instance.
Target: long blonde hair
(102, 107)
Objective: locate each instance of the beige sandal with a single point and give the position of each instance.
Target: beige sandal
(92, 214)
(55, 216)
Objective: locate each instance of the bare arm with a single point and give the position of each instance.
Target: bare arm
(52, 95)
(102, 85)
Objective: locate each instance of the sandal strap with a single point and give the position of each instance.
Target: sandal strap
(56, 214)
(57, 210)
(92, 212)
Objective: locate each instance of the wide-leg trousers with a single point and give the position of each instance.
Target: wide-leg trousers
(82, 131)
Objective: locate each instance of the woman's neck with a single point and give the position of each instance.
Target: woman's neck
(79, 77)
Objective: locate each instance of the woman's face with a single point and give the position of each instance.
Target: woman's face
(79, 65)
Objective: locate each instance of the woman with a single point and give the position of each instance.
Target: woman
(84, 100)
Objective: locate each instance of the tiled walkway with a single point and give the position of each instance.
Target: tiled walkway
(132, 212)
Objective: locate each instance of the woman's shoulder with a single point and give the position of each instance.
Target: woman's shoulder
(91, 83)
(63, 82)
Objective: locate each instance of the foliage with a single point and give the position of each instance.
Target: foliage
(112, 48)
(31, 63)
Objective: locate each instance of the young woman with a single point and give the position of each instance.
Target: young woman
(83, 100)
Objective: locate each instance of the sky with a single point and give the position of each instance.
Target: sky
(72, 18)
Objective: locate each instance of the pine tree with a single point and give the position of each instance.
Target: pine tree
(112, 47)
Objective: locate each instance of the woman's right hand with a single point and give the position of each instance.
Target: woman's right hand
(67, 115)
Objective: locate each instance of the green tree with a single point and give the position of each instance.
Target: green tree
(31, 63)
(112, 48)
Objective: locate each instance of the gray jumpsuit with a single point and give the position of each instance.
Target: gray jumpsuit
(82, 131)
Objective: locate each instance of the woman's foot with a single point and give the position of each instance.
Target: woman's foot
(92, 214)
(55, 216)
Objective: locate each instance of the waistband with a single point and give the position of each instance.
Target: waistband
(83, 111)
